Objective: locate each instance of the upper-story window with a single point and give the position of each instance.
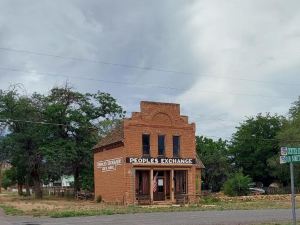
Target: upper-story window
(146, 144)
(176, 146)
(161, 144)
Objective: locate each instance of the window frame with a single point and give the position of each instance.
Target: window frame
(178, 146)
(164, 145)
(143, 145)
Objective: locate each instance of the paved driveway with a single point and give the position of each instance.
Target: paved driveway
(232, 217)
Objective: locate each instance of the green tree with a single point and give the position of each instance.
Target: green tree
(9, 178)
(215, 157)
(79, 116)
(24, 138)
(289, 136)
(237, 185)
(290, 133)
(254, 144)
(52, 135)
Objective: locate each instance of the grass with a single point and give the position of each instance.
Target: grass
(12, 204)
(277, 223)
(121, 210)
(10, 210)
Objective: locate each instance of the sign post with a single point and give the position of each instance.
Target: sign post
(290, 155)
(293, 193)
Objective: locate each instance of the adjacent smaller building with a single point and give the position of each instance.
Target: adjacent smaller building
(149, 158)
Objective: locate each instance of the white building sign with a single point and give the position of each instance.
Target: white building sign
(109, 164)
(165, 161)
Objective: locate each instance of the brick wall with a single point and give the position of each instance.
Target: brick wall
(110, 184)
(154, 119)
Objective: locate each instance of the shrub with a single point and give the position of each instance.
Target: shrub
(237, 185)
(99, 199)
(8, 178)
(209, 200)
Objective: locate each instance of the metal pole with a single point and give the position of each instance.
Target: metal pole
(293, 193)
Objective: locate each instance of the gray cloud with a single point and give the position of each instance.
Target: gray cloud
(215, 42)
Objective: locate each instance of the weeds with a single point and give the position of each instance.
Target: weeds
(9, 210)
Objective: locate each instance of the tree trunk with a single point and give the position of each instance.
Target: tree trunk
(20, 189)
(37, 189)
(38, 193)
(27, 186)
(0, 177)
(76, 180)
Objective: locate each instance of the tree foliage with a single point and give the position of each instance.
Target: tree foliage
(289, 136)
(254, 145)
(290, 132)
(52, 135)
(9, 178)
(215, 156)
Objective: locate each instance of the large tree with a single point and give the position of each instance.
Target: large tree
(52, 135)
(215, 157)
(21, 115)
(254, 145)
(78, 116)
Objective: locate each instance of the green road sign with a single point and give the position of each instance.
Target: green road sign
(291, 155)
(289, 151)
(289, 158)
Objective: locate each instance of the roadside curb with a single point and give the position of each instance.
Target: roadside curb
(3, 218)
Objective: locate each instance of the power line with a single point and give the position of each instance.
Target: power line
(149, 85)
(252, 138)
(205, 136)
(217, 119)
(92, 61)
(31, 121)
(141, 68)
(83, 78)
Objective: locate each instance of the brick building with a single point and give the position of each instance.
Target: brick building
(149, 157)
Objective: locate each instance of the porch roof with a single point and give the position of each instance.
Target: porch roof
(116, 135)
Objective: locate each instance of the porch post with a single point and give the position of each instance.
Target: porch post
(151, 185)
(172, 185)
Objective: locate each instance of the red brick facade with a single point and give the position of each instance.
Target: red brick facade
(117, 180)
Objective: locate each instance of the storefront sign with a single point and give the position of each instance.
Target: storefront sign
(109, 164)
(165, 161)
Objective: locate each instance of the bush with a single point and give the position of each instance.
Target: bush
(8, 178)
(237, 185)
(99, 199)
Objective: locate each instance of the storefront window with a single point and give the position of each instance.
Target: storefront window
(146, 144)
(180, 181)
(142, 186)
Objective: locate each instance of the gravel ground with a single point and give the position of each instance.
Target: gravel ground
(232, 217)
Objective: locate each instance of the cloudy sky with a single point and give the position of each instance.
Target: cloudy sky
(222, 60)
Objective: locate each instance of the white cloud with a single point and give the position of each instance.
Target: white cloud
(255, 40)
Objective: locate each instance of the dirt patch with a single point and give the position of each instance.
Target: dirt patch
(65, 207)
(28, 204)
(257, 198)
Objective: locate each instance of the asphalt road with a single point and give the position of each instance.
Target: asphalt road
(232, 217)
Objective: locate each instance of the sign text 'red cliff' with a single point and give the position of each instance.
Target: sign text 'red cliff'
(109, 164)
